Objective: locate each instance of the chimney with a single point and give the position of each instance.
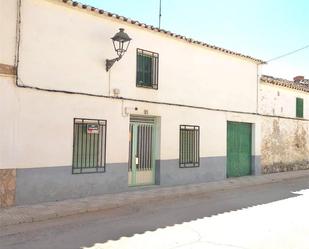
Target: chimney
(306, 82)
(298, 79)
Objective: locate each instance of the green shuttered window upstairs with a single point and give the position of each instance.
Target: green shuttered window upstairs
(299, 108)
(147, 69)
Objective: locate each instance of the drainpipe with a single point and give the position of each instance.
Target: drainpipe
(17, 44)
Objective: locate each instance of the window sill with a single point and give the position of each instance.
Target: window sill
(147, 87)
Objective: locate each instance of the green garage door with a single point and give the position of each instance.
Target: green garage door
(238, 149)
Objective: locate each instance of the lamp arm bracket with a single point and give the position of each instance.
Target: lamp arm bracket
(110, 63)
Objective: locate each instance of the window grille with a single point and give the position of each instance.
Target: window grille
(89, 146)
(147, 66)
(189, 146)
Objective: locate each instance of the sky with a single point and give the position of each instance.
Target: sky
(263, 29)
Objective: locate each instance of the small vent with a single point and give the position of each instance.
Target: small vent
(142, 119)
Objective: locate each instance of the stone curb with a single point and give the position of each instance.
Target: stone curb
(52, 210)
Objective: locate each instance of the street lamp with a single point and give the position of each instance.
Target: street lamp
(121, 42)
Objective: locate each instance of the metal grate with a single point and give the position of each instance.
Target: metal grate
(89, 146)
(147, 65)
(144, 146)
(142, 119)
(189, 146)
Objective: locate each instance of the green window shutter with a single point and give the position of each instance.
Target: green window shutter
(189, 146)
(147, 69)
(299, 107)
(144, 70)
(140, 69)
(89, 146)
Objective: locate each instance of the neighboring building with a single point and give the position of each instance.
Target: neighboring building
(172, 111)
(285, 137)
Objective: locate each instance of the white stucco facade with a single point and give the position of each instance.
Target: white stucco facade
(82, 40)
(61, 76)
(285, 139)
(8, 15)
(66, 51)
(281, 101)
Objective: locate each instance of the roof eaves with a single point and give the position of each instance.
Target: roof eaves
(284, 83)
(150, 27)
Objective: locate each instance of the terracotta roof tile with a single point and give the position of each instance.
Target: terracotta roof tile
(125, 19)
(286, 83)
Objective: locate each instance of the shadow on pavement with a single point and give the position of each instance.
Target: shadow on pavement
(153, 216)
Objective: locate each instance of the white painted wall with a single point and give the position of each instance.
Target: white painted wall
(7, 29)
(67, 48)
(284, 142)
(64, 48)
(38, 127)
(281, 101)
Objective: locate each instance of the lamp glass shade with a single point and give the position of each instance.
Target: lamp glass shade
(121, 42)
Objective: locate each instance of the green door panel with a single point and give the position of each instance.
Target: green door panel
(238, 149)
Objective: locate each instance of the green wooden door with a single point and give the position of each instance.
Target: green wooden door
(238, 149)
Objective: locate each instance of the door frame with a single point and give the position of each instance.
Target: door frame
(136, 120)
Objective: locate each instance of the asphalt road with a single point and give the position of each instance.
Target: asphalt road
(92, 230)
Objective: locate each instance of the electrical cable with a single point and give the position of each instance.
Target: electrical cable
(289, 53)
(17, 60)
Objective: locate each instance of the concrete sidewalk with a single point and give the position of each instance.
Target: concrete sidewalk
(51, 210)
